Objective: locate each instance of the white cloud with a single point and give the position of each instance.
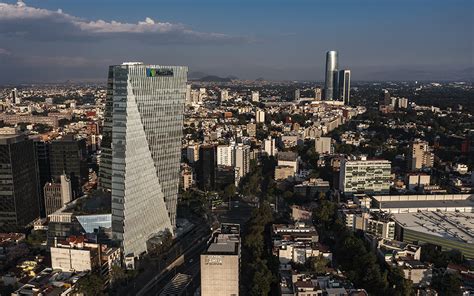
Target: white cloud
(24, 21)
(4, 52)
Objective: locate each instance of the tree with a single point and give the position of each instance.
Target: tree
(255, 251)
(36, 238)
(117, 274)
(229, 191)
(398, 285)
(262, 279)
(324, 214)
(6, 289)
(90, 285)
(447, 284)
(317, 264)
(434, 254)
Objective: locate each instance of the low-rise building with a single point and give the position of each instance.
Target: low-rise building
(299, 213)
(79, 255)
(283, 172)
(377, 224)
(449, 230)
(50, 282)
(311, 188)
(289, 159)
(423, 202)
(418, 181)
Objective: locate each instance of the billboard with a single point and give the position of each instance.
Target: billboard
(156, 72)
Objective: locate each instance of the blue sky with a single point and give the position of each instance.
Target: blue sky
(281, 40)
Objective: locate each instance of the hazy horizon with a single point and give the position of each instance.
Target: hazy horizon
(52, 41)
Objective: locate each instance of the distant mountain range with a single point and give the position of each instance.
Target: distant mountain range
(210, 78)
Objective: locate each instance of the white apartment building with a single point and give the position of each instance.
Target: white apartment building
(224, 95)
(192, 153)
(255, 96)
(270, 147)
(322, 145)
(225, 155)
(242, 159)
(260, 116)
(420, 156)
(365, 176)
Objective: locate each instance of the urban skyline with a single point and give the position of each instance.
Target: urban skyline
(220, 148)
(75, 42)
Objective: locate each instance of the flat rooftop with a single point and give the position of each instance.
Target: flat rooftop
(422, 197)
(223, 248)
(427, 204)
(449, 225)
(6, 139)
(226, 242)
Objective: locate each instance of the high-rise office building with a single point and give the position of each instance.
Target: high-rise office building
(270, 147)
(68, 156)
(420, 156)
(192, 153)
(242, 159)
(365, 176)
(317, 94)
(189, 99)
(402, 103)
(386, 98)
(142, 131)
(260, 116)
(224, 95)
(345, 86)
(206, 169)
(57, 195)
(15, 97)
(255, 96)
(297, 95)
(19, 190)
(330, 86)
(225, 155)
(44, 167)
(220, 264)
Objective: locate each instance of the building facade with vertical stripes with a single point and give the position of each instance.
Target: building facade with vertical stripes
(140, 156)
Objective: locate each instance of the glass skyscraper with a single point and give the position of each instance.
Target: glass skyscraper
(345, 85)
(141, 150)
(330, 87)
(19, 194)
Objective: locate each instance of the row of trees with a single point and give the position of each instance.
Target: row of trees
(353, 257)
(260, 183)
(259, 266)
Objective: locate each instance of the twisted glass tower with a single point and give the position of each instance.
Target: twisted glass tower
(140, 158)
(330, 86)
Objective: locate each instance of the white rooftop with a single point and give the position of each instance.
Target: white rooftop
(449, 225)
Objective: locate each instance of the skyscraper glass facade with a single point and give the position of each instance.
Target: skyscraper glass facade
(345, 85)
(330, 88)
(141, 156)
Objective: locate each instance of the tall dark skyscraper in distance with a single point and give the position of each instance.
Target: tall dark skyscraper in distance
(344, 86)
(67, 156)
(207, 167)
(330, 86)
(44, 167)
(19, 194)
